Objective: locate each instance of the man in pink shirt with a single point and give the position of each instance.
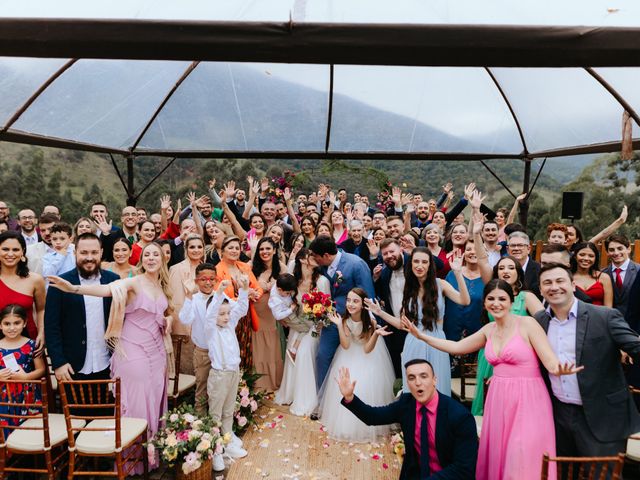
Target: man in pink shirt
(440, 434)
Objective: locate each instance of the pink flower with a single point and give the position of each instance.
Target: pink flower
(242, 421)
(183, 435)
(244, 402)
(254, 405)
(385, 466)
(244, 392)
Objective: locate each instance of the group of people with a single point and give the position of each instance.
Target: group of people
(415, 284)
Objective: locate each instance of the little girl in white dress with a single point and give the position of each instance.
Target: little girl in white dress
(369, 363)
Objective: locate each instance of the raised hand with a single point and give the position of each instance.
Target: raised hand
(104, 226)
(223, 285)
(264, 185)
(250, 180)
(165, 202)
(407, 198)
(447, 187)
(188, 285)
(332, 197)
(566, 369)
(61, 284)
(230, 189)
(335, 318)
(377, 270)
(212, 184)
(520, 198)
(345, 384)
(396, 196)
(374, 248)
(410, 327)
(468, 190)
(455, 261)
(191, 197)
(243, 282)
(373, 306)
(202, 201)
(476, 200)
(478, 220)
(287, 194)
(623, 214)
(382, 331)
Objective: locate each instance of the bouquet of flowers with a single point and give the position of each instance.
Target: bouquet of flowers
(316, 306)
(247, 402)
(278, 184)
(397, 443)
(186, 439)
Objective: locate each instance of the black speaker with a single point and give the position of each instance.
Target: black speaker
(572, 205)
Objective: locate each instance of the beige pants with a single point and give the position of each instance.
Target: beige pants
(222, 387)
(201, 367)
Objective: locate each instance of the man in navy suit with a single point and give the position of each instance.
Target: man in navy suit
(345, 272)
(74, 325)
(440, 437)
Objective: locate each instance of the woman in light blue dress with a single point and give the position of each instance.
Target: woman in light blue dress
(423, 305)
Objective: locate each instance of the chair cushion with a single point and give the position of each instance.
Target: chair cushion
(185, 382)
(633, 447)
(478, 419)
(33, 440)
(104, 442)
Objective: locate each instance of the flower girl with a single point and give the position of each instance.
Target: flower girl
(369, 362)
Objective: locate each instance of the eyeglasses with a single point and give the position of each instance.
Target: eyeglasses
(517, 246)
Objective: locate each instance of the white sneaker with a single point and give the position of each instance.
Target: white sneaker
(218, 463)
(235, 440)
(234, 451)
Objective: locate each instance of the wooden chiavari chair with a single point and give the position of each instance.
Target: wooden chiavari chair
(185, 382)
(584, 468)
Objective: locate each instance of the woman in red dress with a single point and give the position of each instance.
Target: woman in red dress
(588, 277)
(21, 287)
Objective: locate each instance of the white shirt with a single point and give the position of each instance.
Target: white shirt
(562, 337)
(224, 351)
(526, 263)
(331, 270)
(624, 267)
(281, 305)
(396, 290)
(97, 356)
(493, 257)
(195, 312)
(30, 239)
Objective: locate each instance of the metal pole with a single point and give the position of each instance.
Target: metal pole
(131, 197)
(524, 206)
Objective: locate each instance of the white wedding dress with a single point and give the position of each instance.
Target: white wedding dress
(298, 386)
(374, 377)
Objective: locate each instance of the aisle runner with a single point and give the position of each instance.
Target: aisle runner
(290, 447)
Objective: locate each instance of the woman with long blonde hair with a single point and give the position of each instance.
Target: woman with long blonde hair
(139, 324)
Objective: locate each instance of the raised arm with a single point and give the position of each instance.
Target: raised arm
(292, 215)
(241, 307)
(374, 307)
(469, 344)
(92, 290)
(512, 214)
(617, 223)
(343, 330)
(461, 296)
(249, 204)
(486, 272)
(165, 203)
(235, 224)
(377, 332)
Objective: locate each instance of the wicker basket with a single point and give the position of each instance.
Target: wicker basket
(205, 472)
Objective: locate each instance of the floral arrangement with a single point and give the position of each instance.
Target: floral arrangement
(187, 439)
(397, 444)
(278, 184)
(316, 306)
(247, 401)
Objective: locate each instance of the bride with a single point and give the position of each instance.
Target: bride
(298, 387)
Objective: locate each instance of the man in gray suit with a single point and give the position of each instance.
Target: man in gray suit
(593, 410)
(622, 270)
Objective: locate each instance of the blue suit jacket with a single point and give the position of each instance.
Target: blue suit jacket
(456, 435)
(353, 272)
(65, 323)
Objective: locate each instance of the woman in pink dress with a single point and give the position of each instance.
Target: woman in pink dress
(139, 320)
(517, 428)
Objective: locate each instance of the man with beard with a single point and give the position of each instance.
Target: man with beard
(36, 252)
(74, 325)
(490, 232)
(129, 218)
(27, 220)
(12, 223)
(389, 285)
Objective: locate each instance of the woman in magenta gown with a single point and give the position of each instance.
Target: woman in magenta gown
(138, 324)
(517, 428)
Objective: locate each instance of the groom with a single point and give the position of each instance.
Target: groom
(345, 272)
(441, 441)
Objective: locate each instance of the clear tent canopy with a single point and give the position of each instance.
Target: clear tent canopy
(321, 78)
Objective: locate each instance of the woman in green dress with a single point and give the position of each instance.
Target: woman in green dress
(525, 303)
